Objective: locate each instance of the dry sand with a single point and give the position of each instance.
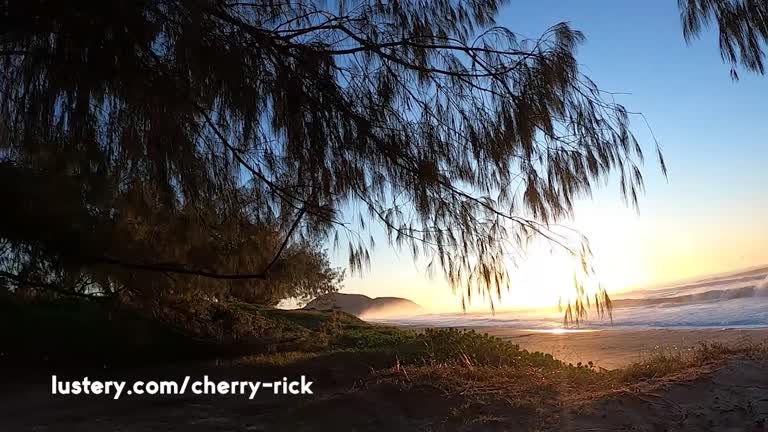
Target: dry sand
(731, 398)
(612, 349)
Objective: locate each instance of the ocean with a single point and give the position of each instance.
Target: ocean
(734, 300)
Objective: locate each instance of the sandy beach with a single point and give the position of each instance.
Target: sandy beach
(612, 349)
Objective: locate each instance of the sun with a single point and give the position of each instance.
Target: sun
(546, 274)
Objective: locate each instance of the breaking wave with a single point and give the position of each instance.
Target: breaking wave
(736, 300)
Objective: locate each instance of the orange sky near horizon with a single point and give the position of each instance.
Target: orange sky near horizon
(630, 251)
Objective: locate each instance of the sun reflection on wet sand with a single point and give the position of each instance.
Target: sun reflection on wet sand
(559, 331)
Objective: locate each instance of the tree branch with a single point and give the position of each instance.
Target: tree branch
(175, 268)
(49, 286)
(285, 241)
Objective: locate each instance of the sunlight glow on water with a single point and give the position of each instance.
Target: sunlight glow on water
(733, 301)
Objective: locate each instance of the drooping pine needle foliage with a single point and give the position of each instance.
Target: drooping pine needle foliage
(182, 126)
(742, 27)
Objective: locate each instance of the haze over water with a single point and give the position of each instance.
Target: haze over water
(734, 300)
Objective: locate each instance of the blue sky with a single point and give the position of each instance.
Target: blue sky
(711, 215)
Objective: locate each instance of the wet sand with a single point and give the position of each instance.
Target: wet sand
(612, 349)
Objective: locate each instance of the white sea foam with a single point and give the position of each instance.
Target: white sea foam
(738, 300)
(763, 284)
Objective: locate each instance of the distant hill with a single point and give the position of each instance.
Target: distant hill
(362, 305)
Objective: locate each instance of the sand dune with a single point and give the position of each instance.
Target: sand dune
(731, 398)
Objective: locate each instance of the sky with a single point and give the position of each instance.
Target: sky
(709, 216)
